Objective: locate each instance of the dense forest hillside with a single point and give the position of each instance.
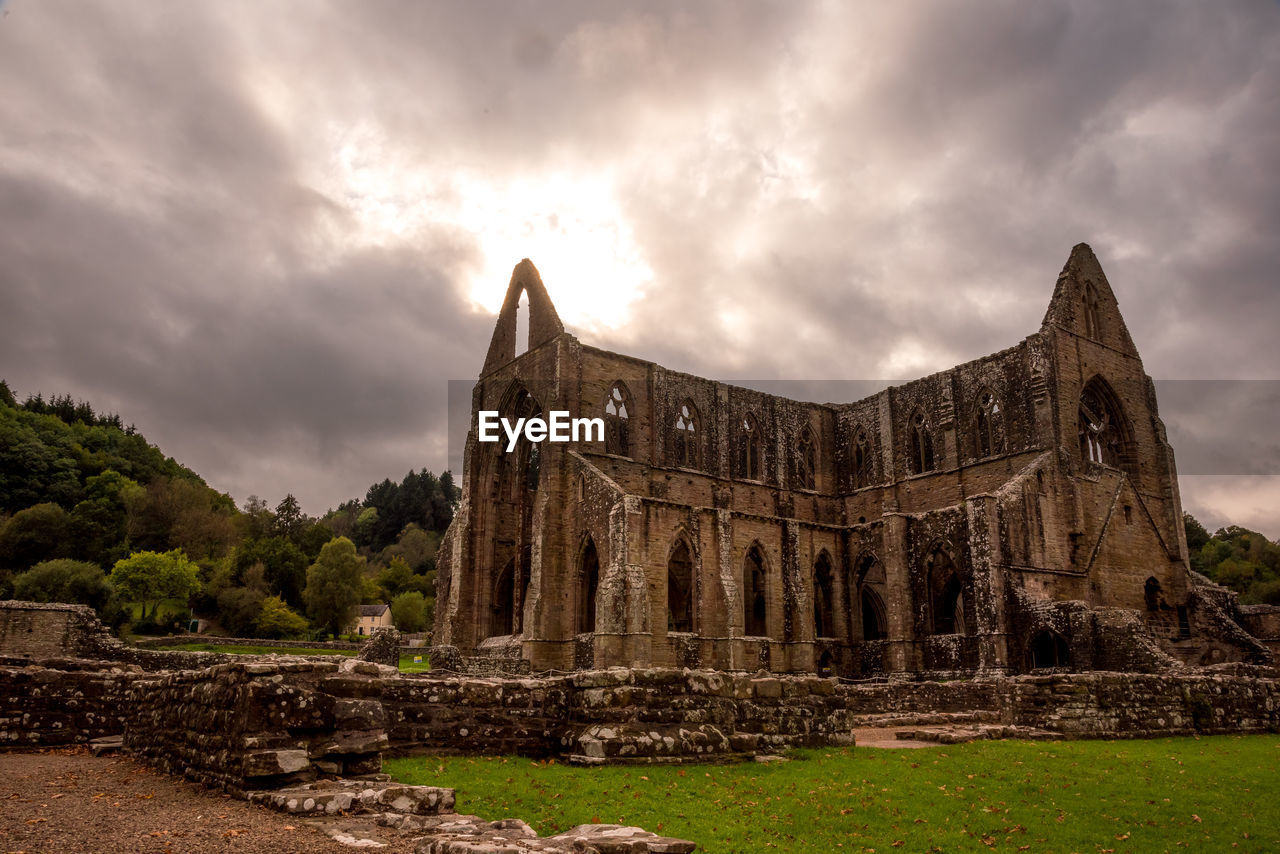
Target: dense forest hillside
(91, 512)
(1235, 557)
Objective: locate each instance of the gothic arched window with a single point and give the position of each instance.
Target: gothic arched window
(680, 589)
(861, 460)
(1103, 431)
(921, 445)
(749, 449)
(589, 579)
(823, 598)
(807, 460)
(617, 416)
(988, 427)
(1092, 328)
(755, 603)
(687, 436)
(946, 596)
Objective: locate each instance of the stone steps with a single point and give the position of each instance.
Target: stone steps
(909, 719)
(963, 734)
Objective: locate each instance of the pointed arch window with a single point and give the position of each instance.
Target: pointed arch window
(921, 436)
(1092, 328)
(755, 603)
(807, 460)
(988, 425)
(687, 436)
(946, 594)
(680, 589)
(1103, 430)
(749, 448)
(617, 420)
(589, 579)
(861, 460)
(873, 618)
(823, 599)
(503, 620)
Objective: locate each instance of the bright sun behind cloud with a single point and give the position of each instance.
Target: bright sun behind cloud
(569, 225)
(572, 230)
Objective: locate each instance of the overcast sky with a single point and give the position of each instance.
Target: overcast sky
(269, 233)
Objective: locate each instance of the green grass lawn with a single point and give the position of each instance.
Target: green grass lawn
(1182, 794)
(407, 664)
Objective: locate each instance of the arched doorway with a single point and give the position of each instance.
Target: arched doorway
(1048, 649)
(874, 626)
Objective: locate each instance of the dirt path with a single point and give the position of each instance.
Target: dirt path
(69, 801)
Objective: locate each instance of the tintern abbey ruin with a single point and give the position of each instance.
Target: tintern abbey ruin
(997, 548)
(1013, 513)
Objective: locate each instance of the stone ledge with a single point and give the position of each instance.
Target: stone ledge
(329, 797)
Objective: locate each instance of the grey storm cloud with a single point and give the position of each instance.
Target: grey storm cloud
(255, 229)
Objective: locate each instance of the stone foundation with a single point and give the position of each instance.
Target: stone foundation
(261, 725)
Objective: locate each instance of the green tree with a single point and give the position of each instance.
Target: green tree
(284, 565)
(150, 577)
(33, 535)
(73, 581)
(278, 620)
(1197, 536)
(313, 538)
(239, 609)
(290, 521)
(409, 611)
(396, 578)
(334, 585)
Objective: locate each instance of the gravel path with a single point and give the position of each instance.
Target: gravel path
(69, 801)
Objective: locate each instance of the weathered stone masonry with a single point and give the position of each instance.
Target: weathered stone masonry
(966, 521)
(268, 724)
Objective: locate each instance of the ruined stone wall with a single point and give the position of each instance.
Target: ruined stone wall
(1233, 699)
(1007, 462)
(1263, 622)
(457, 714)
(53, 630)
(217, 640)
(68, 702)
(262, 725)
(38, 631)
(267, 724)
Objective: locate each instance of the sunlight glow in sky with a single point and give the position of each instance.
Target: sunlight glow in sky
(570, 226)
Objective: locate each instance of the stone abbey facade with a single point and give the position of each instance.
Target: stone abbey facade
(1016, 512)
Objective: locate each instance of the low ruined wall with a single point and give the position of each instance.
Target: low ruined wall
(263, 724)
(458, 714)
(40, 631)
(908, 698)
(678, 714)
(218, 640)
(1234, 699)
(619, 714)
(260, 725)
(43, 706)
